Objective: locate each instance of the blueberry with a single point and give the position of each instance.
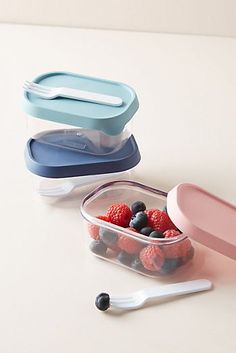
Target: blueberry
(108, 237)
(137, 264)
(102, 301)
(139, 221)
(125, 258)
(98, 247)
(170, 265)
(156, 234)
(146, 231)
(138, 206)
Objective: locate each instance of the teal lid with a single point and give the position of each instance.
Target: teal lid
(109, 119)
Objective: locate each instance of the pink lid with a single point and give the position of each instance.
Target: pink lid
(204, 217)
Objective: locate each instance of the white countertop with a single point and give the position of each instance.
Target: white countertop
(185, 129)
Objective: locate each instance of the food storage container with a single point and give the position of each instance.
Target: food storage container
(74, 142)
(58, 171)
(80, 125)
(192, 213)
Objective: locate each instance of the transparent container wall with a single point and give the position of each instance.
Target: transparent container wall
(62, 187)
(148, 256)
(76, 138)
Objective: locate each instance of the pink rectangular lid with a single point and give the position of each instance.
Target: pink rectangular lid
(204, 217)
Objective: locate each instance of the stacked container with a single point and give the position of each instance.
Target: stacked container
(78, 139)
(76, 142)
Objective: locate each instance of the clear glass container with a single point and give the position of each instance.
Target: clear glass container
(143, 254)
(63, 187)
(76, 138)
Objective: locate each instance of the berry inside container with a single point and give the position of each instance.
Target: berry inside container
(127, 223)
(149, 231)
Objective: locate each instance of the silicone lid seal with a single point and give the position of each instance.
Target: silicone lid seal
(204, 217)
(109, 119)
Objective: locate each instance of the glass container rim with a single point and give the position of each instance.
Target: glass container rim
(129, 233)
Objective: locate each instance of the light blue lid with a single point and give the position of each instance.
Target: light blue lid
(109, 119)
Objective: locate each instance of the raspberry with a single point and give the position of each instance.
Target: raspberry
(178, 249)
(159, 220)
(185, 247)
(170, 233)
(119, 214)
(133, 229)
(171, 251)
(150, 212)
(93, 229)
(129, 245)
(152, 257)
(111, 253)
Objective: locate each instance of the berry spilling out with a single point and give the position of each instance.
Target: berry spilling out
(102, 301)
(149, 250)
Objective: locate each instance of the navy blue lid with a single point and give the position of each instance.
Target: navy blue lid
(57, 162)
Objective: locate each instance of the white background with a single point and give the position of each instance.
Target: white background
(215, 17)
(185, 129)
